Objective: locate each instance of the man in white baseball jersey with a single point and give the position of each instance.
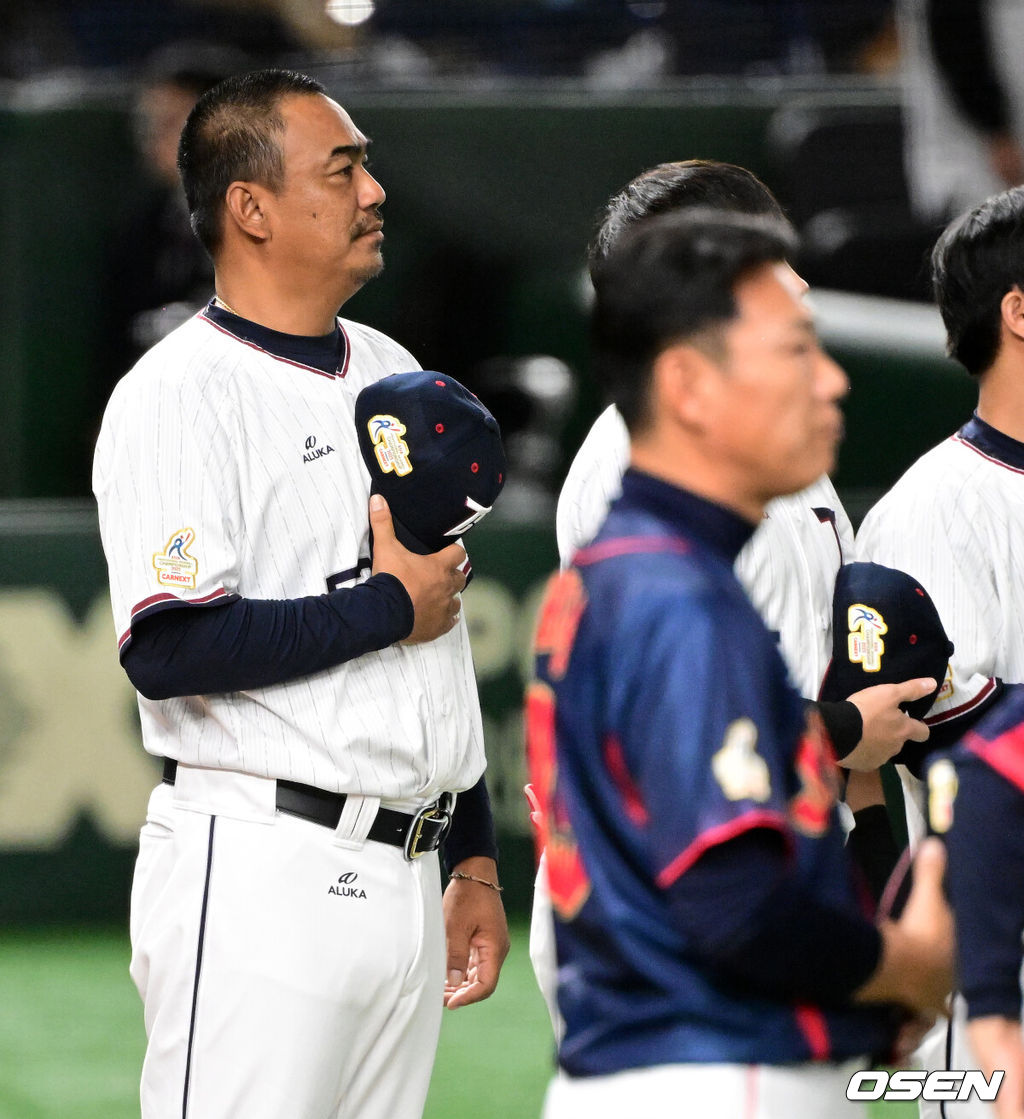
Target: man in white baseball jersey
(955, 519)
(314, 701)
(788, 567)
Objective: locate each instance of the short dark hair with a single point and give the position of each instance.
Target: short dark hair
(673, 186)
(672, 279)
(979, 258)
(233, 133)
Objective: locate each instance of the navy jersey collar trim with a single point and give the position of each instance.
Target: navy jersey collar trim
(326, 354)
(711, 524)
(993, 443)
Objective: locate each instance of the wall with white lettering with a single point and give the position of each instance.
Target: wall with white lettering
(74, 778)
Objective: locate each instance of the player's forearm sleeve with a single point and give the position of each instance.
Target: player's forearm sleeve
(254, 643)
(985, 879)
(472, 831)
(744, 915)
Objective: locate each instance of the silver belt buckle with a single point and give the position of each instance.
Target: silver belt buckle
(429, 826)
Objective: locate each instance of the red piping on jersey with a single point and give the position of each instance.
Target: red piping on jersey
(953, 712)
(632, 801)
(277, 357)
(165, 596)
(815, 1030)
(1004, 754)
(958, 438)
(348, 351)
(629, 546)
(758, 818)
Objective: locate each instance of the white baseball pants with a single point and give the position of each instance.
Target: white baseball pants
(286, 969)
(806, 1091)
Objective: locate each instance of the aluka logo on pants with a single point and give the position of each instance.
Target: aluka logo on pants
(346, 886)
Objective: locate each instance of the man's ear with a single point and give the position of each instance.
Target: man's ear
(1012, 310)
(682, 379)
(245, 208)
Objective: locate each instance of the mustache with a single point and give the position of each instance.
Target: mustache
(369, 224)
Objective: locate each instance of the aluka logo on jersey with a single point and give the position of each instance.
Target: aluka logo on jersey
(865, 643)
(346, 886)
(313, 452)
(391, 449)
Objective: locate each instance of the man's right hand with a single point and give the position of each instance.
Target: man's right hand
(433, 582)
(886, 726)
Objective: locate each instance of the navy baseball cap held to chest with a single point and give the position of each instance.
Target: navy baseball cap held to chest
(434, 453)
(885, 629)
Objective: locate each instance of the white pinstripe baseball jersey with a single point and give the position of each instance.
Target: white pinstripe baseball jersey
(955, 521)
(788, 567)
(222, 470)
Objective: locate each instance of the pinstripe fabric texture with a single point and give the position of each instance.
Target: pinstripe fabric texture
(955, 522)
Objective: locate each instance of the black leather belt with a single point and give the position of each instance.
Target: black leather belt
(415, 834)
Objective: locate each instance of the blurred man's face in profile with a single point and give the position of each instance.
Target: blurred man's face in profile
(773, 414)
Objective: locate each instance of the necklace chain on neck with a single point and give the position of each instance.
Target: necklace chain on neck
(220, 303)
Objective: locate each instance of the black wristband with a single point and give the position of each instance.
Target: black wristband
(472, 831)
(844, 724)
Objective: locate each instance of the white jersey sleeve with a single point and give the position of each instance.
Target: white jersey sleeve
(937, 532)
(593, 482)
(165, 479)
(789, 568)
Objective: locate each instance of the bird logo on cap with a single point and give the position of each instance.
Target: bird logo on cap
(865, 644)
(391, 449)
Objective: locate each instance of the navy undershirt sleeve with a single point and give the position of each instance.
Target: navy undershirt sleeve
(745, 917)
(254, 643)
(472, 831)
(985, 879)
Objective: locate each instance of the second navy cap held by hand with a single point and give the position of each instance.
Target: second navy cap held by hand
(885, 629)
(434, 452)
